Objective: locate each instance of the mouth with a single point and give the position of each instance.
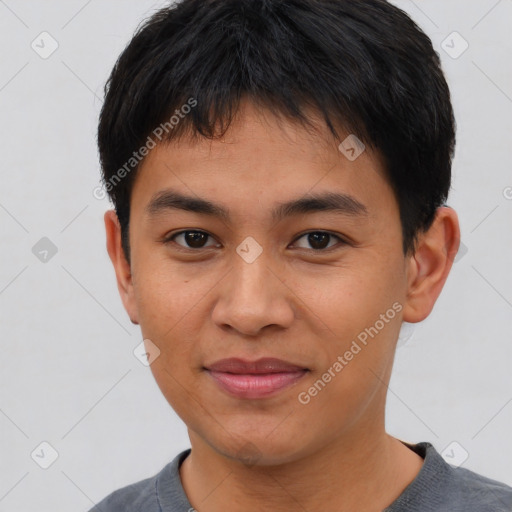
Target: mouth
(254, 379)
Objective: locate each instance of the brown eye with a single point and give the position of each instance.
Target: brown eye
(192, 239)
(319, 240)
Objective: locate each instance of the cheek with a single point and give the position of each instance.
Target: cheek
(174, 380)
(360, 309)
(167, 317)
(338, 394)
(164, 312)
(348, 299)
(164, 293)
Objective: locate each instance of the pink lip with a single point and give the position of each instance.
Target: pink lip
(256, 379)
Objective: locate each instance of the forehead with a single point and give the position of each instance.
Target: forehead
(260, 162)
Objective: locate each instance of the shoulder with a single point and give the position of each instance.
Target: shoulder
(480, 493)
(457, 489)
(139, 496)
(162, 491)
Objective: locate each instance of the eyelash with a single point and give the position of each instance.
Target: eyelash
(171, 238)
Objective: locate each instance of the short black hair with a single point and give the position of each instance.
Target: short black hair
(363, 65)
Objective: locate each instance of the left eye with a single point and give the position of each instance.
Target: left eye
(317, 240)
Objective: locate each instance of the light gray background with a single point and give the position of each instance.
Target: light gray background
(68, 373)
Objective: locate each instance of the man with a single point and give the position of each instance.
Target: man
(279, 171)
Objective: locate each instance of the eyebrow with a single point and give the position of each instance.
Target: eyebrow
(335, 202)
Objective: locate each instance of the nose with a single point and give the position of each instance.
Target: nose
(253, 297)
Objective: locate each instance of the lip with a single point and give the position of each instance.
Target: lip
(254, 379)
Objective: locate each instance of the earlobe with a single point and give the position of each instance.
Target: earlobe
(429, 266)
(121, 265)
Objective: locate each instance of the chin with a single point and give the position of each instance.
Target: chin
(259, 450)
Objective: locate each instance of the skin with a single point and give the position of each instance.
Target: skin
(293, 302)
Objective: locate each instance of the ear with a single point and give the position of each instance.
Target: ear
(429, 266)
(121, 265)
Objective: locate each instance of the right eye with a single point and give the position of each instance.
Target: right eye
(193, 238)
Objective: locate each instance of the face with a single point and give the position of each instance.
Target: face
(320, 287)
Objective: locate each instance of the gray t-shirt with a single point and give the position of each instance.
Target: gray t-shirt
(438, 487)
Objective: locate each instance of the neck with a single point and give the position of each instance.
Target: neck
(365, 473)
